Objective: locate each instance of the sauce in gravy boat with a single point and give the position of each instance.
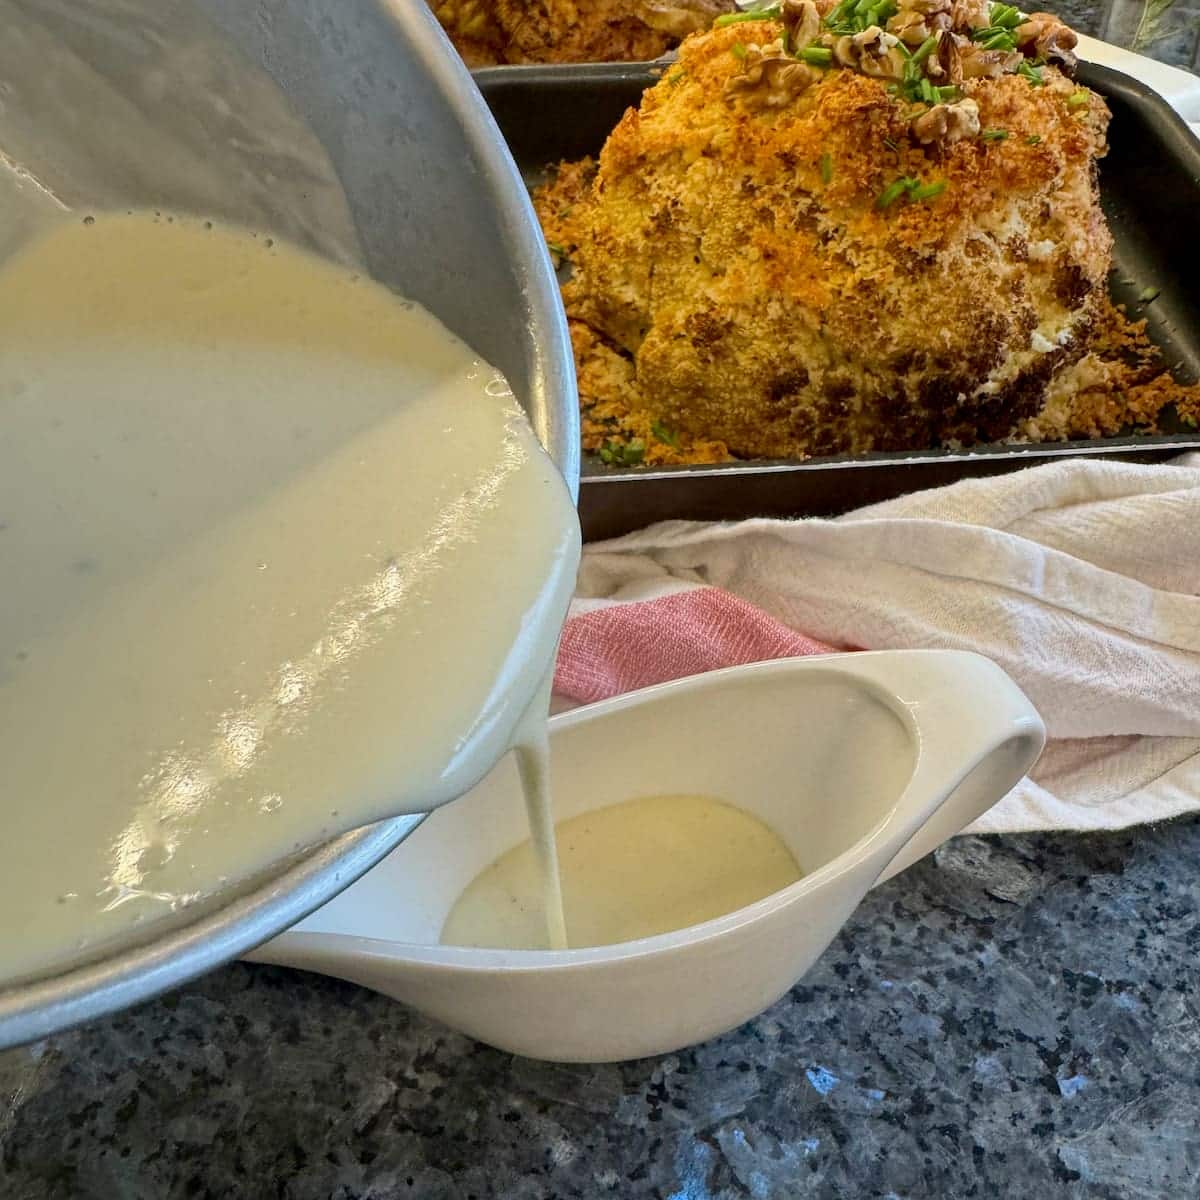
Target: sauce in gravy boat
(862, 763)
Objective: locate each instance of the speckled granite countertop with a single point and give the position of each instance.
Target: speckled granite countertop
(1014, 1016)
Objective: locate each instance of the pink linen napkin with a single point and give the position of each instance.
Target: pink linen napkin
(612, 650)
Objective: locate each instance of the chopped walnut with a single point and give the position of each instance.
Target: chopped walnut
(949, 56)
(771, 78)
(889, 65)
(917, 20)
(912, 27)
(774, 76)
(978, 63)
(962, 59)
(927, 8)
(845, 52)
(1043, 35)
(872, 52)
(802, 20)
(972, 14)
(678, 18)
(947, 123)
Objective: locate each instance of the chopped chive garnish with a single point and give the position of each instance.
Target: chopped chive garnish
(854, 16)
(914, 85)
(1076, 99)
(994, 37)
(555, 248)
(880, 13)
(826, 168)
(840, 12)
(891, 145)
(627, 454)
(1148, 294)
(927, 191)
(994, 135)
(738, 50)
(1033, 139)
(914, 189)
(676, 79)
(923, 51)
(665, 435)
(849, 17)
(1000, 32)
(947, 94)
(1005, 16)
(894, 191)
(817, 56)
(1032, 73)
(761, 14)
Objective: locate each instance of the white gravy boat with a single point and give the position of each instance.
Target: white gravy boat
(862, 763)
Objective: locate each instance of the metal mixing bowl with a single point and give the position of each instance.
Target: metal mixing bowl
(429, 201)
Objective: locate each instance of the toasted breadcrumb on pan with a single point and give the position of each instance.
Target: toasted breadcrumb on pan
(497, 32)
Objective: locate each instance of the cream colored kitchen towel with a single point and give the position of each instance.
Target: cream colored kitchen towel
(1080, 578)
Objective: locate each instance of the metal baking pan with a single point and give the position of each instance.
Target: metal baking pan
(1150, 183)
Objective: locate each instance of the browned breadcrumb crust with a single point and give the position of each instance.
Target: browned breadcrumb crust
(1119, 384)
(497, 32)
(738, 288)
(613, 414)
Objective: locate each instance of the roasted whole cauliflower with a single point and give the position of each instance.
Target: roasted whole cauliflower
(845, 228)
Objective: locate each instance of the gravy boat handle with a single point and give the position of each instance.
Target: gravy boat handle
(977, 736)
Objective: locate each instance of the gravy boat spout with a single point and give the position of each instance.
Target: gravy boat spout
(862, 763)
